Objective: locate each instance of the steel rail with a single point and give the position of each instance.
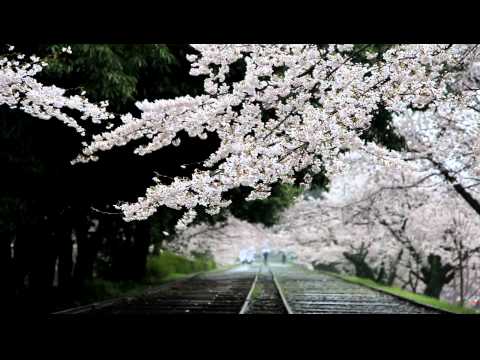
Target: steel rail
(246, 304)
(280, 292)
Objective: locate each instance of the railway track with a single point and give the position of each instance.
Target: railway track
(257, 289)
(265, 296)
(310, 292)
(215, 293)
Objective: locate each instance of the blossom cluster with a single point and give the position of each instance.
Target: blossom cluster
(20, 90)
(296, 108)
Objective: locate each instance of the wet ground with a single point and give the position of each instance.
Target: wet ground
(258, 289)
(310, 292)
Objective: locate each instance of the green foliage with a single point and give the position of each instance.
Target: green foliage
(164, 220)
(167, 263)
(160, 269)
(106, 71)
(360, 52)
(319, 185)
(266, 211)
(381, 131)
(100, 289)
(258, 290)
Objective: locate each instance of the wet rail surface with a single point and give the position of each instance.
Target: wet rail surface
(257, 289)
(266, 298)
(309, 292)
(211, 293)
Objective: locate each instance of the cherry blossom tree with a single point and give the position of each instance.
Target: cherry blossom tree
(409, 226)
(448, 228)
(284, 113)
(344, 226)
(290, 114)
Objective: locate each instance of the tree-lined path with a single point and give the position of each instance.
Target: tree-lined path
(257, 289)
(126, 165)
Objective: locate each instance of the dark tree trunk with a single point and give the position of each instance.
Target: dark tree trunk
(64, 244)
(87, 252)
(474, 204)
(6, 264)
(129, 254)
(65, 260)
(436, 276)
(156, 248)
(393, 269)
(120, 249)
(362, 269)
(62, 241)
(142, 240)
(380, 278)
(22, 257)
(462, 280)
(43, 261)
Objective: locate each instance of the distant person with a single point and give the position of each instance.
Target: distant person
(265, 256)
(242, 257)
(284, 258)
